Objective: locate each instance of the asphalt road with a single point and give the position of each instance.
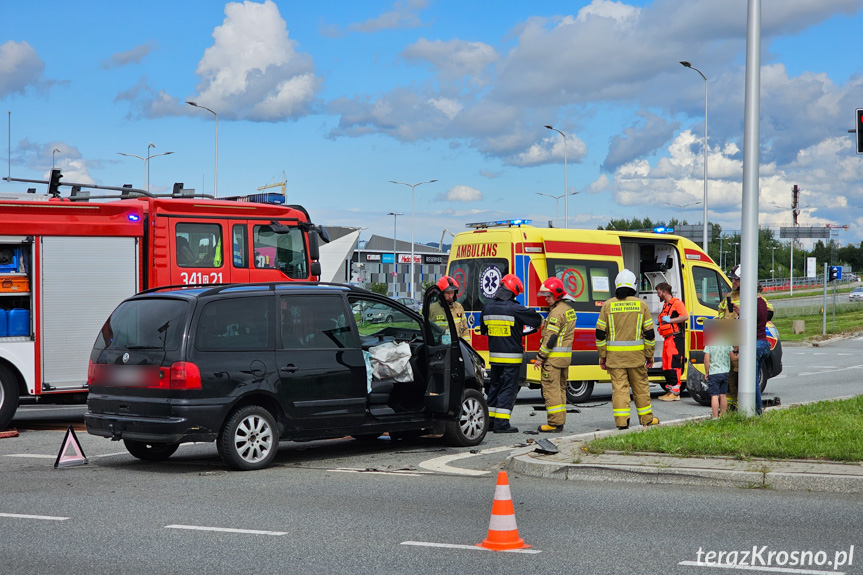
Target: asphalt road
(344, 506)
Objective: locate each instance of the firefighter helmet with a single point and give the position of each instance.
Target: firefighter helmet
(625, 279)
(553, 287)
(734, 274)
(513, 284)
(447, 283)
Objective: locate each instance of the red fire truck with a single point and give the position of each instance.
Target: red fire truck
(66, 262)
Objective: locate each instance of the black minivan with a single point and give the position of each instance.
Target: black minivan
(250, 365)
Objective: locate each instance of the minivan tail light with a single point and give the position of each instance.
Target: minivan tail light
(185, 375)
(91, 373)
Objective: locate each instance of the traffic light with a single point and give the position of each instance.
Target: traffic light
(54, 183)
(859, 124)
(834, 273)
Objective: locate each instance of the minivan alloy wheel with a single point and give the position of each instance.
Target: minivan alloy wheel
(248, 439)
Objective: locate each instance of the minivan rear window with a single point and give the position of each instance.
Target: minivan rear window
(147, 323)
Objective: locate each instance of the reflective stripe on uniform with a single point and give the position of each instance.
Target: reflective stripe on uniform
(644, 410)
(503, 413)
(555, 409)
(498, 357)
(560, 352)
(636, 345)
(492, 412)
(499, 320)
(620, 412)
(601, 325)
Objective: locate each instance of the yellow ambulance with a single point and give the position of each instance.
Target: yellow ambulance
(587, 262)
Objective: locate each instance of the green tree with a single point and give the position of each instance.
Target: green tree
(378, 287)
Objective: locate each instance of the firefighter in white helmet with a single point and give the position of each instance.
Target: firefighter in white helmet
(555, 352)
(625, 342)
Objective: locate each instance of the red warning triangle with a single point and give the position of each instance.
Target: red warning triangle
(78, 458)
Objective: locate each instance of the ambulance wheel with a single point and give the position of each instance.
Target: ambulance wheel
(249, 440)
(8, 396)
(472, 424)
(578, 391)
(149, 451)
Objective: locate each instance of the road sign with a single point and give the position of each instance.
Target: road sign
(804, 232)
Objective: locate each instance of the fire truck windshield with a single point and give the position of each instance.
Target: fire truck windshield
(283, 251)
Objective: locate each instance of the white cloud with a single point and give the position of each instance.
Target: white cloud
(133, 56)
(460, 194)
(253, 69)
(454, 59)
(20, 68)
(403, 15)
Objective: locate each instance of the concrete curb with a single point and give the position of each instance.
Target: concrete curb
(571, 463)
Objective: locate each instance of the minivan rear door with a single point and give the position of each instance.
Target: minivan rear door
(446, 365)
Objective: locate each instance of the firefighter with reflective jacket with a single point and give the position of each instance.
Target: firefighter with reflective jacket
(672, 326)
(727, 307)
(450, 288)
(555, 352)
(503, 320)
(625, 342)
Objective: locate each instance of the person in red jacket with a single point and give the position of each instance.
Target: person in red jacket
(672, 326)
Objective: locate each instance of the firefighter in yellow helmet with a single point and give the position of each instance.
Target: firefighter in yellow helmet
(555, 352)
(450, 287)
(625, 342)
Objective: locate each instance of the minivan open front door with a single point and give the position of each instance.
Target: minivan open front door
(446, 365)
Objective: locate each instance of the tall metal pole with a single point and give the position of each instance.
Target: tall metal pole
(216, 164)
(147, 162)
(824, 305)
(565, 185)
(412, 187)
(704, 238)
(749, 229)
(395, 216)
(54, 151)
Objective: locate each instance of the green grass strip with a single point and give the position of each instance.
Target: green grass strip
(826, 430)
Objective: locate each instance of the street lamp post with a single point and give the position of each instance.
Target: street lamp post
(725, 253)
(54, 151)
(565, 187)
(147, 160)
(773, 262)
(688, 65)
(556, 200)
(395, 216)
(216, 163)
(412, 186)
(735, 252)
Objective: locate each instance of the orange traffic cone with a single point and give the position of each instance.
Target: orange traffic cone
(502, 530)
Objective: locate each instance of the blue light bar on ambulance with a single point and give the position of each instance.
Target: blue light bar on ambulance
(663, 230)
(497, 224)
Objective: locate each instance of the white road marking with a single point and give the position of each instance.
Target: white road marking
(831, 370)
(227, 530)
(471, 547)
(440, 464)
(376, 472)
(41, 456)
(760, 568)
(43, 517)
(33, 455)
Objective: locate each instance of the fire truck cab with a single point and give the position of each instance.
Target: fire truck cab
(66, 263)
(587, 262)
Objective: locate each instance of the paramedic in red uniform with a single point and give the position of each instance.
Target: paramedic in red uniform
(672, 326)
(503, 320)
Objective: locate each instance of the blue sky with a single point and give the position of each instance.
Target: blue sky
(344, 96)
